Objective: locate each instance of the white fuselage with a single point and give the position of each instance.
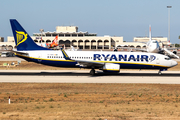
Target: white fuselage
(153, 46)
(136, 60)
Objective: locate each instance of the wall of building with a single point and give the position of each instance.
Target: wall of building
(7, 45)
(64, 29)
(146, 39)
(92, 42)
(132, 44)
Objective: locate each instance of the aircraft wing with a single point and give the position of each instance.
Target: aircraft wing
(83, 63)
(89, 63)
(170, 53)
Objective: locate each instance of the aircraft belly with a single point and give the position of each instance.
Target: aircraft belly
(59, 63)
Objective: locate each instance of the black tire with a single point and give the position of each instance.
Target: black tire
(160, 73)
(92, 72)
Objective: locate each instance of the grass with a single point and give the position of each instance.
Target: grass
(89, 101)
(51, 99)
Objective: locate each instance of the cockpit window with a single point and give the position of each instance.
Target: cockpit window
(167, 58)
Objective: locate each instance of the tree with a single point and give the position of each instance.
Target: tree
(177, 45)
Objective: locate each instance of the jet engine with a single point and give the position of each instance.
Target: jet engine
(110, 67)
(175, 52)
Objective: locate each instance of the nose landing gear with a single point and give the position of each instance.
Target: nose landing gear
(159, 72)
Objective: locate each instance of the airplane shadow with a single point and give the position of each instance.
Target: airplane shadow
(98, 74)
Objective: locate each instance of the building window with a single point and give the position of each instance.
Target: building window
(61, 35)
(80, 35)
(74, 35)
(67, 35)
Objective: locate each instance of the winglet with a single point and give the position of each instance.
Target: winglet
(65, 55)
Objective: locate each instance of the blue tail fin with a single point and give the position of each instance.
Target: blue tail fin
(22, 39)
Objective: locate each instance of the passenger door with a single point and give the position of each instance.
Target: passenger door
(39, 58)
(157, 61)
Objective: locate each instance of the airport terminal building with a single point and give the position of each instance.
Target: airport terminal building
(70, 36)
(140, 42)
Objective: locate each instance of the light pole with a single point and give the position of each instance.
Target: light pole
(41, 30)
(169, 22)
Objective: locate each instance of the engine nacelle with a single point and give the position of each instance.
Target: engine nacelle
(110, 67)
(175, 52)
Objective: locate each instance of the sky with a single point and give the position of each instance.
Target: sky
(127, 18)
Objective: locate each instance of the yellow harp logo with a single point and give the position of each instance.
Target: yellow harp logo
(21, 37)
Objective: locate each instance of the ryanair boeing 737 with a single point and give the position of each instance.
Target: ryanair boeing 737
(106, 61)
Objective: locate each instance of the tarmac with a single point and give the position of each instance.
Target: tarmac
(82, 76)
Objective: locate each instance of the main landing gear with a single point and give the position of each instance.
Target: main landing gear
(92, 72)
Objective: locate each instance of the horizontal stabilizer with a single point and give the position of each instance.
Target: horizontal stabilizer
(20, 53)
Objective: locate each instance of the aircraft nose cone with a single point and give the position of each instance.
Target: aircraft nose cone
(174, 63)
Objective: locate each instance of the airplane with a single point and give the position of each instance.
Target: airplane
(152, 46)
(53, 44)
(110, 62)
(49, 45)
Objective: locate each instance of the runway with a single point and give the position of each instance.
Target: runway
(82, 76)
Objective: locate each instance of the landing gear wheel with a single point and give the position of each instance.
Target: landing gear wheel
(159, 72)
(92, 72)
